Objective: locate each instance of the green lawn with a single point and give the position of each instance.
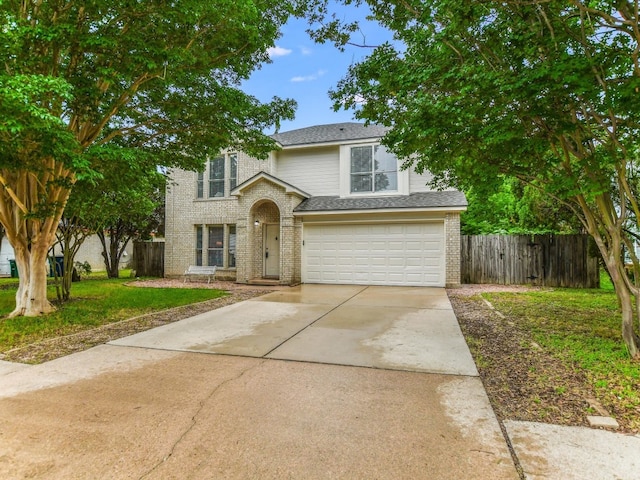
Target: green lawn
(582, 327)
(94, 302)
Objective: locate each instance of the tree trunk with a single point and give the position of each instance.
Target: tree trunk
(110, 259)
(114, 258)
(31, 297)
(112, 253)
(30, 209)
(611, 251)
(24, 273)
(71, 235)
(625, 297)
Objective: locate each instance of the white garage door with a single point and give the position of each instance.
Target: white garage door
(374, 254)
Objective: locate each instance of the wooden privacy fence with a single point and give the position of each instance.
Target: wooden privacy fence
(148, 259)
(546, 260)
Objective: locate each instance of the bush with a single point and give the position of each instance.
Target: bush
(83, 268)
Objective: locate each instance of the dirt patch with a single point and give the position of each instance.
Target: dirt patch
(227, 286)
(53, 348)
(523, 381)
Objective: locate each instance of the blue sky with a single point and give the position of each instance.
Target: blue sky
(305, 71)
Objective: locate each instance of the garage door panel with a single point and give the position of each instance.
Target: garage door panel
(360, 278)
(396, 262)
(398, 254)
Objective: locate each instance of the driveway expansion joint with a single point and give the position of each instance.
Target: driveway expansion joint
(314, 322)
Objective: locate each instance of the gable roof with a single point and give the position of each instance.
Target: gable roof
(331, 133)
(422, 200)
(288, 188)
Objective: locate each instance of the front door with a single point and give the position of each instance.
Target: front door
(272, 250)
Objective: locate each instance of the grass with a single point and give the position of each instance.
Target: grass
(94, 302)
(582, 327)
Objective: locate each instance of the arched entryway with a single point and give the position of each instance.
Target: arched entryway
(265, 240)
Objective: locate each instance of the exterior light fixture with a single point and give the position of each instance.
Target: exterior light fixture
(256, 223)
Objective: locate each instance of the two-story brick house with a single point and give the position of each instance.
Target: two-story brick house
(331, 206)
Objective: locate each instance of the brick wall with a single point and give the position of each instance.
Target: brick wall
(184, 211)
(267, 202)
(452, 248)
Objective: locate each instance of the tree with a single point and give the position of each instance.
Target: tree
(544, 91)
(160, 78)
(511, 207)
(121, 208)
(70, 236)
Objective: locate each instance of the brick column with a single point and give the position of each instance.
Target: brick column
(287, 260)
(242, 246)
(452, 248)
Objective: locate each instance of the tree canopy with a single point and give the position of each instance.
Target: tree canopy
(83, 81)
(513, 208)
(544, 91)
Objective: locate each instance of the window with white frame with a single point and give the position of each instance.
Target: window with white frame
(199, 245)
(373, 169)
(216, 177)
(200, 185)
(222, 175)
(233, 171)
(216, 245)
(231, 260)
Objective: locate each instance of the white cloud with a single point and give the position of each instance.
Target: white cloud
(305, 51)
(309, 78)
(277, 51)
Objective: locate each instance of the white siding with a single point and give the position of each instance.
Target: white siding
(418, 183)
(315, 171)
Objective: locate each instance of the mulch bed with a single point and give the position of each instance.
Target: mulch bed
(523, 381)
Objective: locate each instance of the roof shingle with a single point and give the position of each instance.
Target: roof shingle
(436, 199)
(335, 132)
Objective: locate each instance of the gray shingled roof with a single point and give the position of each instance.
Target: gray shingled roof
(449, 198)
(335, 132)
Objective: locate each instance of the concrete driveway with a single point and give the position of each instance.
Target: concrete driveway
(268, 388)
(395, 328)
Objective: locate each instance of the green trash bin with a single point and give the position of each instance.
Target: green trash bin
(14, 269)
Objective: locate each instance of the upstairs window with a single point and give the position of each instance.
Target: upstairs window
(222, 175)
(216, 177)
(373, 169)
(200, 185)
(233, 171)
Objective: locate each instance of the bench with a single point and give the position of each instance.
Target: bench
(200, 270)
